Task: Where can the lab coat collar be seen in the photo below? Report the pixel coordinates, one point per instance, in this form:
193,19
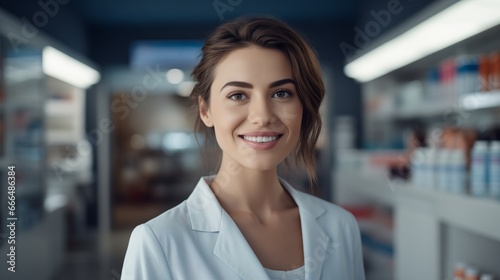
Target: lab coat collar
207,215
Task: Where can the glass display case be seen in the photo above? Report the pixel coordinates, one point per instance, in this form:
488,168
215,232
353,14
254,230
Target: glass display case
21,132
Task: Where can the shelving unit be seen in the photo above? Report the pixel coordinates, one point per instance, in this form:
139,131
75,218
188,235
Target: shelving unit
363,188
420,209
433,230
64,110
23,138
37,112
478,215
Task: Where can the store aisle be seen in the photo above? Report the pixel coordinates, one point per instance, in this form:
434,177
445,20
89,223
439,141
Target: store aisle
87,260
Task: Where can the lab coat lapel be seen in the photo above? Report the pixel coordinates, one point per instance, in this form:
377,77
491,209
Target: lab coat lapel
204,209
317,244
231,247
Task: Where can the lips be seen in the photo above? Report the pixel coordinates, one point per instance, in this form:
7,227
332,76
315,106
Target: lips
261,133
261,140
261,136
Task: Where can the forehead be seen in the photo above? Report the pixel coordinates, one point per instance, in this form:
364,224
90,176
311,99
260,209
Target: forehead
253,64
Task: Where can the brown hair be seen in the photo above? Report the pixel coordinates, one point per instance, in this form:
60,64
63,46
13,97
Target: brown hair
266,33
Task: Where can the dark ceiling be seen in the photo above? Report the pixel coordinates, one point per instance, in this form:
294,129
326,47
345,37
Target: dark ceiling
118,12
103,30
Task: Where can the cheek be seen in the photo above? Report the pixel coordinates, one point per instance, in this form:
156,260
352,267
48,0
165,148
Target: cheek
291,115
226,119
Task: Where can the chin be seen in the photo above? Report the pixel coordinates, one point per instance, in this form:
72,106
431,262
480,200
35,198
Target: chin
261,163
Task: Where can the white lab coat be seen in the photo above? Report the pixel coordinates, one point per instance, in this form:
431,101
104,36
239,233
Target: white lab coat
198,240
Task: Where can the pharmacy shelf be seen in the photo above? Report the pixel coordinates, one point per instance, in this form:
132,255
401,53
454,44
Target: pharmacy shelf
481,100
476,215
58,108
62,137
372,187
471,102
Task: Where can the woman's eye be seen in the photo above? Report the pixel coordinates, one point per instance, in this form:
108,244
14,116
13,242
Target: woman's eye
237,96
282,94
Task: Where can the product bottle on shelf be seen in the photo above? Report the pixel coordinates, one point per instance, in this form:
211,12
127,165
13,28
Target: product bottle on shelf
443,170
432,85
461,77
494,170
457,172
471,274
479,169
418,167
459,272
484,72
494,81
487,276
467,77
447,80
431,168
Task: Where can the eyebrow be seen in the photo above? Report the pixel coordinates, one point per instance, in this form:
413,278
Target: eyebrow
248,85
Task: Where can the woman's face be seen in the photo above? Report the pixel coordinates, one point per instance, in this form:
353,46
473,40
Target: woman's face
254,107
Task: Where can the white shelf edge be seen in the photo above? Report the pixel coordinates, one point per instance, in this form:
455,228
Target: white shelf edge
473,101
59,108
476,215
370,186
61,137
481,100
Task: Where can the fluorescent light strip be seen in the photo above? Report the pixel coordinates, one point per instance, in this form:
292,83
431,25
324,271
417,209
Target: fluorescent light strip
65,68
454,24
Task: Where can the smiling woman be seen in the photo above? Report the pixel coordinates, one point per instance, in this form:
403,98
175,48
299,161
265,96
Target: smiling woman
257,95
255,100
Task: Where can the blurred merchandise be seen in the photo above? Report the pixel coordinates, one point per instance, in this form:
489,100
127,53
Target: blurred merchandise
2,82
484,72
468,75
459,272
376,225
443,167
411,94
458,163
419,168
479,169
465,271
432,85
494,169
27,133
494,81
458,172
471,273
447,79
2,133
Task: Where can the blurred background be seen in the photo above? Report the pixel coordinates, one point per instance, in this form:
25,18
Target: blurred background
94,116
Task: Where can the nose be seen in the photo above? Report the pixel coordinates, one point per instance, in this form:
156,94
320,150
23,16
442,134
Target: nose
261,112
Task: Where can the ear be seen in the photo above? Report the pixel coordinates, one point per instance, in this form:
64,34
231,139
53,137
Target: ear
204,112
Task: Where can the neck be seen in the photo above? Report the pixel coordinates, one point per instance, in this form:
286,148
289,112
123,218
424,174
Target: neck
248,191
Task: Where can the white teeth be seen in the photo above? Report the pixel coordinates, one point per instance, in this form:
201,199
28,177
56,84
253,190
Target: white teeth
260,139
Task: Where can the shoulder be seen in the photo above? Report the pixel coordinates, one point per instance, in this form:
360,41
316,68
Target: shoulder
329,213
173,222
324,211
